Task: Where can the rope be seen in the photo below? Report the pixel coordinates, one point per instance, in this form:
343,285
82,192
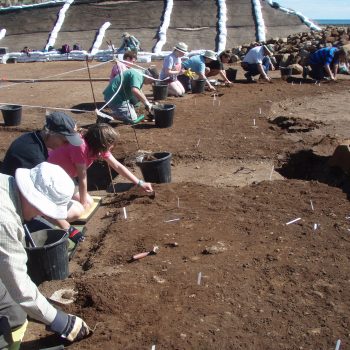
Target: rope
46,107
59,74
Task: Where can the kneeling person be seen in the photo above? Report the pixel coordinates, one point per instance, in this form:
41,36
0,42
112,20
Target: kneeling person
257,61
43,190
128,86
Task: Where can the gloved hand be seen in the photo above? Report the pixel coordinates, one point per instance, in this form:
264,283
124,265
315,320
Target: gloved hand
189,73
149,107
76,329
71,327
75,235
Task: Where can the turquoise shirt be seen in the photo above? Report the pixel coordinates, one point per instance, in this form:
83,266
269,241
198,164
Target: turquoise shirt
196,63
130,78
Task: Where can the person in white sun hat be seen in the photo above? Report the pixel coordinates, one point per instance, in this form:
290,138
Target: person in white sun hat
197,64
43,190
258,62
172,68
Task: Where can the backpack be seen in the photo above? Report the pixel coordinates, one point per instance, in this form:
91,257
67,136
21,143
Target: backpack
77,47
65,48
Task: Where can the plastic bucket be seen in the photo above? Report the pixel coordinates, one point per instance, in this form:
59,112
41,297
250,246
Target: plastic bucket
231,74
157,170
198,86
160,91
12,114
164,115
49,259
285,72
185,82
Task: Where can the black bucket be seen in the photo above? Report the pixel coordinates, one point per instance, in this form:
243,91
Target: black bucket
231,74
49,259
198,86
185,82
157,170
286,72
160,91
164,115
12,114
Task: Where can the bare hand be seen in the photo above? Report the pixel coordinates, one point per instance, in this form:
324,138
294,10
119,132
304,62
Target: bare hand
147,187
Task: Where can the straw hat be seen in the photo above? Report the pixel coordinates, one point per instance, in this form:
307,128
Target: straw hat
269,49
182,47
125,35
47,187
210,54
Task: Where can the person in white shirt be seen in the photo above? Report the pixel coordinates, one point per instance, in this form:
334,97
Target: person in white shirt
257,61
43,190
172,68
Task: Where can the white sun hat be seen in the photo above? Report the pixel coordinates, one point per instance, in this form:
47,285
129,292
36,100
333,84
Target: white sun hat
182,47
210,54
47,187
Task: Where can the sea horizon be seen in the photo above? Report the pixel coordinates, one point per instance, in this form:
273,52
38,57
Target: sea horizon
330,21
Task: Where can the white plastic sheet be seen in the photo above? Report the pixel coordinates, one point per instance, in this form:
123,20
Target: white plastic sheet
58,25
304,19
260,23
99,38
2,33
164,26
23,6
222,25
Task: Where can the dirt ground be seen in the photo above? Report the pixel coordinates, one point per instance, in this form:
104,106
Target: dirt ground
244,164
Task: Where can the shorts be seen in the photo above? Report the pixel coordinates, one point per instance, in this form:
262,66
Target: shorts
215,65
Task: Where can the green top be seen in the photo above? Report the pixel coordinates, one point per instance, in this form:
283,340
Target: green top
130,78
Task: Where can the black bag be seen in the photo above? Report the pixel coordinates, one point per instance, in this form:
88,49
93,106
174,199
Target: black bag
77,47
65,48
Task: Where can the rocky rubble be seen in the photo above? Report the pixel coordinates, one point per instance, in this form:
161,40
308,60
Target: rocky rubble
294,49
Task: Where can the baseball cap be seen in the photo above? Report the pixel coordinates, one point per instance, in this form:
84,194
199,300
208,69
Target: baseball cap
47,187
63,124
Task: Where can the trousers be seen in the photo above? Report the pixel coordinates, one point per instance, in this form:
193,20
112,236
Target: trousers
12,317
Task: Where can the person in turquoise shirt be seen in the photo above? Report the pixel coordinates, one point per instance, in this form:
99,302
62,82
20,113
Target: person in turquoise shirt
128,86
197,65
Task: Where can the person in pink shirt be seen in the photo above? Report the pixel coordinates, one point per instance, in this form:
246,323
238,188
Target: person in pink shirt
120,67
98,141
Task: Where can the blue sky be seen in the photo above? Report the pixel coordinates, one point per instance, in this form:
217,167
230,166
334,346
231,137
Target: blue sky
319,9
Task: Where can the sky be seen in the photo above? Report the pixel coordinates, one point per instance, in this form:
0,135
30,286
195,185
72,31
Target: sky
320,9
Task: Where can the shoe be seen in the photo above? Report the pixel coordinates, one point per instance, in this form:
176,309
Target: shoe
249,78
138,120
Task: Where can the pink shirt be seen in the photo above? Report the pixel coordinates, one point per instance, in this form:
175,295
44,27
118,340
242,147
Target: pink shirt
118,68
68,156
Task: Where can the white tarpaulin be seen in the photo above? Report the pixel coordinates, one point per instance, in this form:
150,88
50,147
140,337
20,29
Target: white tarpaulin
164,26
58,25
222,25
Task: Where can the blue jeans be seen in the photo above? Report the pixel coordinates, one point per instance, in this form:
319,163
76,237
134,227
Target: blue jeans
252,68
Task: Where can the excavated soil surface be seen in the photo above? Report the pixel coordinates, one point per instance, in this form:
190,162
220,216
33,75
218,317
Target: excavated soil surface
244,165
